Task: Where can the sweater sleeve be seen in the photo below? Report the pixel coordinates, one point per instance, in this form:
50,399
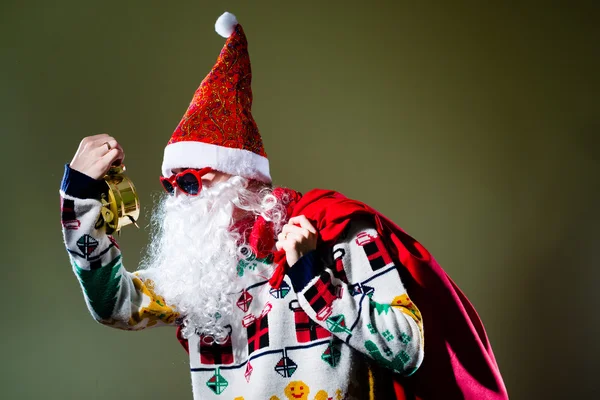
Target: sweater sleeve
114,296
359,297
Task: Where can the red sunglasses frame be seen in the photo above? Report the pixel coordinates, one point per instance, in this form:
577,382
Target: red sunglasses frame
172,180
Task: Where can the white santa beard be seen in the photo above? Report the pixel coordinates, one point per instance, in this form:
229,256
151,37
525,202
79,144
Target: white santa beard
193,256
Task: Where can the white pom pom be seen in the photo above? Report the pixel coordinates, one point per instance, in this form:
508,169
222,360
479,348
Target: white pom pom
226,24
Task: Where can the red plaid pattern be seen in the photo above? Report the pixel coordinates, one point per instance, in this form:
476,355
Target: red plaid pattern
374,249
322,293
258,333
307,330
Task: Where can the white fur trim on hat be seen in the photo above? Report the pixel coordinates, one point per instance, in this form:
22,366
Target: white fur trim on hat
226,24
231,161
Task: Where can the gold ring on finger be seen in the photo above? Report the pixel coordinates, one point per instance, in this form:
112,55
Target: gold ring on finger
108,145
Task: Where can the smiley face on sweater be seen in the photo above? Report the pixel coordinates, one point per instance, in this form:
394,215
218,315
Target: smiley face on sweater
297,390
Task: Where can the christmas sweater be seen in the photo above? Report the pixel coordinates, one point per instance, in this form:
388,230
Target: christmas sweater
339,324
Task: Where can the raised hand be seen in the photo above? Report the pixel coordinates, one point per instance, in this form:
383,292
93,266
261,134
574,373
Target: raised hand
96,154
297,238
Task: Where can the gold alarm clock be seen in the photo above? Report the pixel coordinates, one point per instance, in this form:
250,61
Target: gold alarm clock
121,206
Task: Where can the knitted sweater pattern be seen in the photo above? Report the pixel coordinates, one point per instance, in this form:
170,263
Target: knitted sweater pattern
340,321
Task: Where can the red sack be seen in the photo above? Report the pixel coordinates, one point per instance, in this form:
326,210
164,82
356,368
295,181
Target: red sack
459,362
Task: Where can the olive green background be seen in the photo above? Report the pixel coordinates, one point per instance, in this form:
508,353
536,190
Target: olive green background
474,126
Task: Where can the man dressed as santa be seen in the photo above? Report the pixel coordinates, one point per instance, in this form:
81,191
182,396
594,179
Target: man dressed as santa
274,294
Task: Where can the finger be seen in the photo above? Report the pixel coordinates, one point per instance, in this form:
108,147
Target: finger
297,230
96,142
289,247
116,145
102,147
122,158
303,222
284,237
91,142
101,137
112,143
95,138
100,140
109,159
294,238
286,245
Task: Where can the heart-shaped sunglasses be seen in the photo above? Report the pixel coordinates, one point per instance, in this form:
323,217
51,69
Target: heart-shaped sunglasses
188,181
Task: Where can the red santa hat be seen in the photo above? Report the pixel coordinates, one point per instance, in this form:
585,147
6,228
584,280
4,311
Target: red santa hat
218,130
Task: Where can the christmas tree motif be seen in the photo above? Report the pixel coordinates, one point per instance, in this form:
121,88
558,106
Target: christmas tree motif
379,307
337,324
397,363
332,355
217,383
244,301
101,286
281,292
248,373
87,245
286,367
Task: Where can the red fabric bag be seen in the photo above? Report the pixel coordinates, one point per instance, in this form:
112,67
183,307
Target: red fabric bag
459,362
